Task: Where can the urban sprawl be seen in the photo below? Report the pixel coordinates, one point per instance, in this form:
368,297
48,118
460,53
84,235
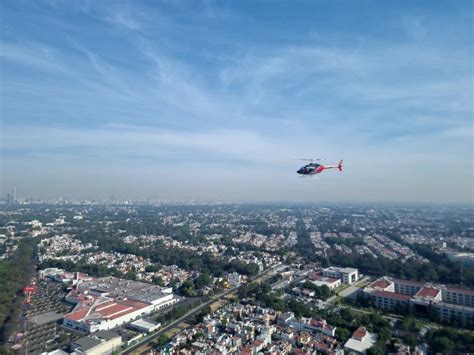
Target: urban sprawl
136,278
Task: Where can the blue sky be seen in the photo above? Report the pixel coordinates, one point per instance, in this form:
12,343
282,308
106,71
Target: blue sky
217,99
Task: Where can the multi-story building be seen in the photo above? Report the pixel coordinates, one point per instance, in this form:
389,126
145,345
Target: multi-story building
448,303
407,287
448,312
467,259
382,293
319,280
346,274
458,296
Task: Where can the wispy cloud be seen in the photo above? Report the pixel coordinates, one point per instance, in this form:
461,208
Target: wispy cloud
33,55
136,81
122,18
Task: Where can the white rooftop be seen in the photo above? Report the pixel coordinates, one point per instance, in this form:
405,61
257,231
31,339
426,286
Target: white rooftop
145,324
361,346
340,269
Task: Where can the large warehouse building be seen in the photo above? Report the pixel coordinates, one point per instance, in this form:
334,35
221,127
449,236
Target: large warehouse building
107,302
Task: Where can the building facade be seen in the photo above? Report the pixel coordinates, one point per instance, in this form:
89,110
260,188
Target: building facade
448,304
346,274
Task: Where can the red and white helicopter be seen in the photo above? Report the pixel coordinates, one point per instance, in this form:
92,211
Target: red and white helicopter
314,168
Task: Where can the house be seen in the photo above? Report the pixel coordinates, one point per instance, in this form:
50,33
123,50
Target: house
360,342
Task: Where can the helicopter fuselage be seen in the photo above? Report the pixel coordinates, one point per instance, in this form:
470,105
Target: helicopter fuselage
314,168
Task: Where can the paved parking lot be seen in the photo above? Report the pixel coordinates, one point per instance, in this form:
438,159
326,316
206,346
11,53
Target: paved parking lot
42,328
47,298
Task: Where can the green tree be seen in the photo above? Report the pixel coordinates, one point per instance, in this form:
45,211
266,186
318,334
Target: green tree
411,340
377,349
342,334
443,345
158,280
162,340
203,280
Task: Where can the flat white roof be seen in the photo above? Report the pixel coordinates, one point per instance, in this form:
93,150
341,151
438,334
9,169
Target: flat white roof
141,323
361,346
340,269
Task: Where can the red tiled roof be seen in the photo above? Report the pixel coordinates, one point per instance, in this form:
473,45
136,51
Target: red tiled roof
428,292
114,310
320,346
359,333
381,283
104,305
319,277
319,323
78,315
391,295
134,303
107,310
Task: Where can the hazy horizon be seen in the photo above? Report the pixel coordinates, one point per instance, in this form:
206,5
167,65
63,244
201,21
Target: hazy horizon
218,100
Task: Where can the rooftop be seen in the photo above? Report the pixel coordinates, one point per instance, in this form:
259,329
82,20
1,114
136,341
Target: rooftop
106,334
86,343
429,292
340,269
381,283
359,333
318,277
361,345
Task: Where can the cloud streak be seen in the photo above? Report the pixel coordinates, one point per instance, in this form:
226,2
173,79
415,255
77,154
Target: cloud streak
140,83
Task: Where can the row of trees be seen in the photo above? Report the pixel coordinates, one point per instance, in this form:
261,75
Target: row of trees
448,340
15,274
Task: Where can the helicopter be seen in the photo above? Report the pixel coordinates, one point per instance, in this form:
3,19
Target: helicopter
314,168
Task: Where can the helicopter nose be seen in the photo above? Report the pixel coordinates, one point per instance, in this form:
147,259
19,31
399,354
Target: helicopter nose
299,171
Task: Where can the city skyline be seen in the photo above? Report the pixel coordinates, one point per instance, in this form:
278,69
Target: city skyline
218,101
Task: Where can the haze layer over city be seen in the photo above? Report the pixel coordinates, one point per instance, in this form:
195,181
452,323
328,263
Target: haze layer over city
217,100
236,177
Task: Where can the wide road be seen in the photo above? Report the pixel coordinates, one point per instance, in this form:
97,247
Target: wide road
192,312
283,283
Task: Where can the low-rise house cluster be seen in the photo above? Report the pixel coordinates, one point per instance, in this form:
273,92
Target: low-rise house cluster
246,329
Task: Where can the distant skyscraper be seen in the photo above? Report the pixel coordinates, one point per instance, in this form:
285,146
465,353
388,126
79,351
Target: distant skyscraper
11,197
